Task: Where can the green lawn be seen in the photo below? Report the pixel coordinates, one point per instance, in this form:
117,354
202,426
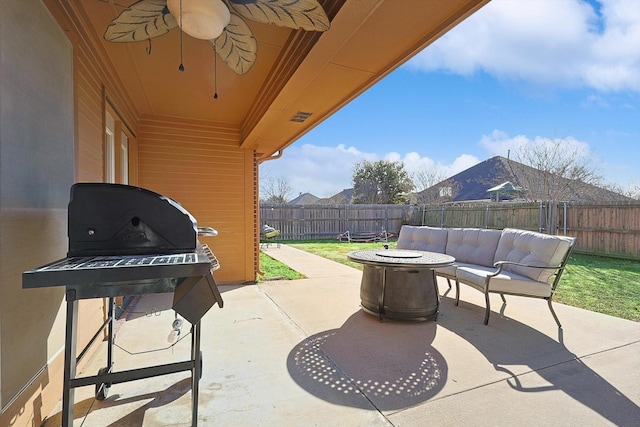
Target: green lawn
606,285
275,270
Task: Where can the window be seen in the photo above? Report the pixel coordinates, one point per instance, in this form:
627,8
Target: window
120,149
110,150
445,191
124,158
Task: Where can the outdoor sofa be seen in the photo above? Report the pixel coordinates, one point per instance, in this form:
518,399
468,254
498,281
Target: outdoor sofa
506,262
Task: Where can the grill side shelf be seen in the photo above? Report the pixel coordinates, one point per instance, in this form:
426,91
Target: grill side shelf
77,271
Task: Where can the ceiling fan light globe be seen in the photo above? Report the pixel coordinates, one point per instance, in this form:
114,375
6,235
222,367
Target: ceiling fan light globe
201,19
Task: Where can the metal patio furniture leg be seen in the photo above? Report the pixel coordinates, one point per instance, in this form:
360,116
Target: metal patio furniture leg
553,313
487,310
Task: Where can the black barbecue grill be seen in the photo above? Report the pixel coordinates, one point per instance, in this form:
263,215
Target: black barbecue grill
126,240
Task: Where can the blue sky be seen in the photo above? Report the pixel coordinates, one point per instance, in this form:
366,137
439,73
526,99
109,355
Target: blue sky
517,71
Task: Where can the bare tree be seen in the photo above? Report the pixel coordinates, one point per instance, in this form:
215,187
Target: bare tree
275,189
554,170
633,191
433,187
426,178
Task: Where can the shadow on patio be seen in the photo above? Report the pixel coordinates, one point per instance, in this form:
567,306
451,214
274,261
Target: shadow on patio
394,364
303,353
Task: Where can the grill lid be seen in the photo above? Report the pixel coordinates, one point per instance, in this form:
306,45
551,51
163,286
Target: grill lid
116,219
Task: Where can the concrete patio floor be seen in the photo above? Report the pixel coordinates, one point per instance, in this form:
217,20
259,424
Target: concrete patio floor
302,353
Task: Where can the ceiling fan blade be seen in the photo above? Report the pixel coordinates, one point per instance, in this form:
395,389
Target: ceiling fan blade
306,14
142,20
236,45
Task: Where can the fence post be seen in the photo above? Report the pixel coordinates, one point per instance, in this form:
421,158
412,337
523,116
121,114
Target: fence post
564,219
346,219
386,219
540,217
486,217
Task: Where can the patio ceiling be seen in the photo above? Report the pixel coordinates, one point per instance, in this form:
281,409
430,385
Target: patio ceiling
295,71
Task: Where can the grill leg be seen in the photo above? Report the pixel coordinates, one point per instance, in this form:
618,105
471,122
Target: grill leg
110,314
102,390
68,393
196,372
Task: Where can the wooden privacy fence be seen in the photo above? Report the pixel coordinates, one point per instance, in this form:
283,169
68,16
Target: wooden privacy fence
604,229
542,217
297,222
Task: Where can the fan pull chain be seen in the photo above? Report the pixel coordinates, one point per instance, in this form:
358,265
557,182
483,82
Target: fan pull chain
215,72
148,49
181,67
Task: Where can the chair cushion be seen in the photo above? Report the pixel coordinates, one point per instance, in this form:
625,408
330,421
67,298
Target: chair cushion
506,282
473,245
531,248
423,238
450,270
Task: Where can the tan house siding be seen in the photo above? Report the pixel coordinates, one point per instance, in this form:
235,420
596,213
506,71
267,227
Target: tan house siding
200,165
36,147
91,85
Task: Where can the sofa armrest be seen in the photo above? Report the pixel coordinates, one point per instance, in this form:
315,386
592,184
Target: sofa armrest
500,265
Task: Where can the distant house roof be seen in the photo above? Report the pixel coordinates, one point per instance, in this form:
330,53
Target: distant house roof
342,198
480,181
304,199
472,183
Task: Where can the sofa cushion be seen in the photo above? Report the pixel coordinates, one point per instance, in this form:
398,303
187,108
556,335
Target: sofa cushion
505,282
531,248
423,238
473,245
450,270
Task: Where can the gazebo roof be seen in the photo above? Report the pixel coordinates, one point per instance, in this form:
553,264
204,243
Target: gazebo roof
506,187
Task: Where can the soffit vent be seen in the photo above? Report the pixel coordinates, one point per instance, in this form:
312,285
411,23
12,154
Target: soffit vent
300,116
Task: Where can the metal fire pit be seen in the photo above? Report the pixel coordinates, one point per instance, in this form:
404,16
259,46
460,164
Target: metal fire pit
400,284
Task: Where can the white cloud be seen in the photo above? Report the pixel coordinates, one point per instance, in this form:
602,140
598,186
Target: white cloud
499,143
463,162
552,42
325,171
322,171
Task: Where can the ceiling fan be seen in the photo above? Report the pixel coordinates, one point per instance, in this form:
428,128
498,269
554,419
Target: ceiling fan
220,22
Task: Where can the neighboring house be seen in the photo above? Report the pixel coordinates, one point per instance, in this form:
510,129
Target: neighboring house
475,183
304,199
342,198
78,108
